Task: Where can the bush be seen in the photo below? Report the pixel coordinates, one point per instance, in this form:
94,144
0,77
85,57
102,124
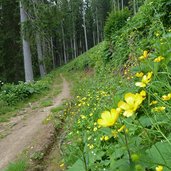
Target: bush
11,94
139,33
115,21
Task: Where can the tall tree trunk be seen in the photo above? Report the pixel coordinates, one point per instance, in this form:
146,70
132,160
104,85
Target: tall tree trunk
40,56
134,6
42,67
97,25
118,5
101,30
114,5
85,31
94,38
52,52
122,4
26,48
72,48
75,48
63,41
80,47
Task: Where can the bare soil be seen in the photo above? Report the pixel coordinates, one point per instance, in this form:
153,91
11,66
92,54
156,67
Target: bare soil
25,130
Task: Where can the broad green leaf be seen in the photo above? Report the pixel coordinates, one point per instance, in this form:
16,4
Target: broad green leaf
77,166
160,153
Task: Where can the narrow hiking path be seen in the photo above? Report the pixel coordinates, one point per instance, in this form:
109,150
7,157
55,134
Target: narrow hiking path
23,133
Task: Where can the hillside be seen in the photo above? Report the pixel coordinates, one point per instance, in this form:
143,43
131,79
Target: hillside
119,116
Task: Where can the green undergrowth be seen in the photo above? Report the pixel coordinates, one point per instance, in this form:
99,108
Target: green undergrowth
140,138
119,117
140,32
19,165
90,59
15,97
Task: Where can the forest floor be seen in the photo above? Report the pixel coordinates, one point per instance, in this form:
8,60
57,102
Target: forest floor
27,129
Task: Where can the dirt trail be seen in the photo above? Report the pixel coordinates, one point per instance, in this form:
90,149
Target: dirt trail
27,130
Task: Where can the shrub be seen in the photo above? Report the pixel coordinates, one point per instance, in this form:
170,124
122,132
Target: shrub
115,21
140,32
12,94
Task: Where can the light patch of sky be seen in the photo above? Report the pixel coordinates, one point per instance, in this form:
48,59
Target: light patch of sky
52,2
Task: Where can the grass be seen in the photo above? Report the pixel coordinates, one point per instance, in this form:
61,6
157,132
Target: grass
57,109
8,111
46,103
20,165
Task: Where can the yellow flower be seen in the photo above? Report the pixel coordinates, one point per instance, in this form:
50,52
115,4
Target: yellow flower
145,80
159,109
91,114
83,116
144,56
89,138
61,165
166,97
109,118
139,74
91,146
121,128
115,133
95,129
157,34
159,168
153,102
158,59
104,138
143,94
132,103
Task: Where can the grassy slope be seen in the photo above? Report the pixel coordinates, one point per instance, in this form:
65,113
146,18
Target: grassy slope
144,142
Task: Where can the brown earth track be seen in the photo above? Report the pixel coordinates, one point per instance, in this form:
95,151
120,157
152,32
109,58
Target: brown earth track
24,132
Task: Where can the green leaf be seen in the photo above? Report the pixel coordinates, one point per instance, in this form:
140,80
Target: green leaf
161,153
77,166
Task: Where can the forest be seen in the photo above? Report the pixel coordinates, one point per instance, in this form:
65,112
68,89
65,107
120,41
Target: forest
93,76
56,32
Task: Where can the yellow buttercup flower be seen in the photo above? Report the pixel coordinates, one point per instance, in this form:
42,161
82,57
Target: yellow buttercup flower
158,59
91,146
145,80
83,117
115,133
166,97
121,128
159,109
157,34
132,103
144,56
153,102
91,114
95,129
159,168
62,165
109,118
104,138
143,94
139,74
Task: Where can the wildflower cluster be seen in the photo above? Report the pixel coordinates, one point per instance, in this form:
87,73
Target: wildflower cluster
123,125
